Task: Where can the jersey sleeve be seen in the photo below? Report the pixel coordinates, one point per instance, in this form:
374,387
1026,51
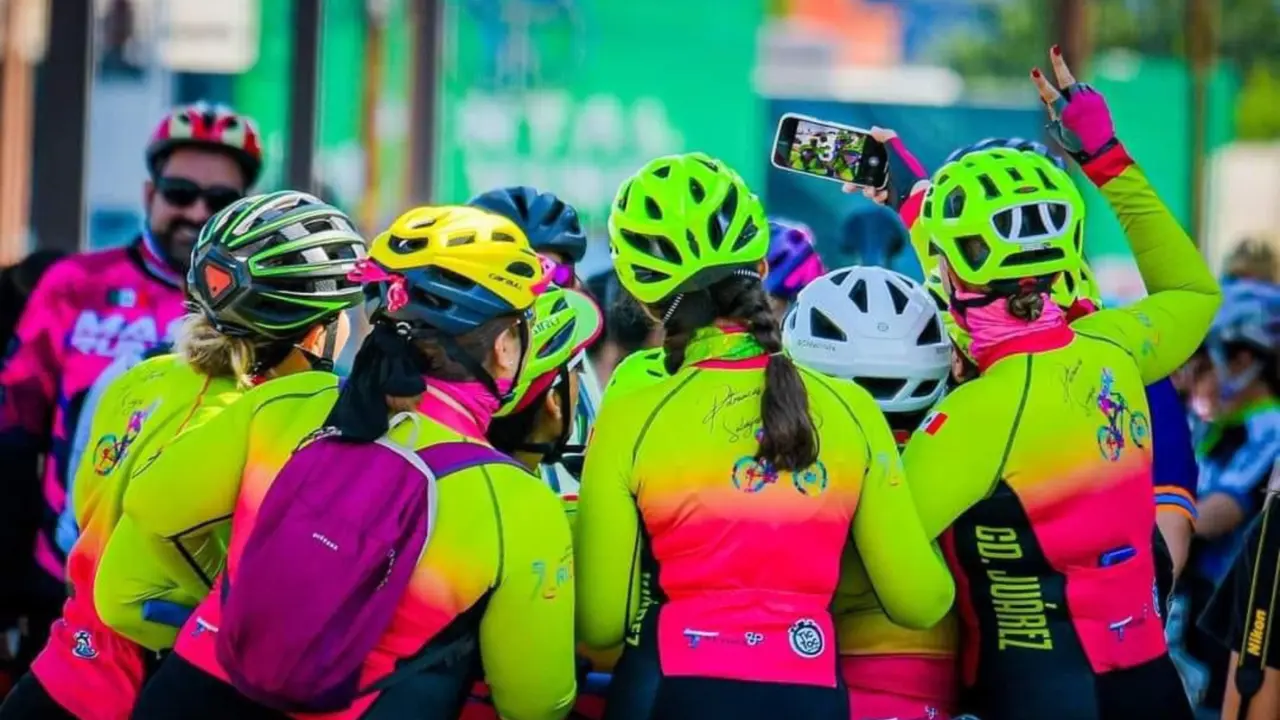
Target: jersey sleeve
1174,471
1163,329
953,458
526,636
608,529
31,368
906,569
202,465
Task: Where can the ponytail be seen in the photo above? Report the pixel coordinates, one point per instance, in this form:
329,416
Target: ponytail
789,439
212,353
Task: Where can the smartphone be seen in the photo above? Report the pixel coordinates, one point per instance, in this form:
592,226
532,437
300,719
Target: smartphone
830,151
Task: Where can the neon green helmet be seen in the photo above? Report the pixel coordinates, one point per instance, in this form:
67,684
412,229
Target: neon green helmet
681,223
1002,214
638,370
1075,284
564,323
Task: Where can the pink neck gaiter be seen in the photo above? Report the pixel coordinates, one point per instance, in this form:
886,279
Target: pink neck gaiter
473,397
991,325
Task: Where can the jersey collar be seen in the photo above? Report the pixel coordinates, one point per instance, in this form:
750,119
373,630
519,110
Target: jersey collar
1050,338
152,261
721,344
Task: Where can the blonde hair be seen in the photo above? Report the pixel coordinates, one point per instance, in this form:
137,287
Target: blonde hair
213,353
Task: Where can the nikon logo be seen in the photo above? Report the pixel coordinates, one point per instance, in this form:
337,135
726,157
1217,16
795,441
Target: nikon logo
1256,632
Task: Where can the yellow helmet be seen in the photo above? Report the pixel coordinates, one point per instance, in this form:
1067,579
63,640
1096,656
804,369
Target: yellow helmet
461,267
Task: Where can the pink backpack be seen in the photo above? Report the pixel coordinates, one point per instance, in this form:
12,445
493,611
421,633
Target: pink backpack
336,541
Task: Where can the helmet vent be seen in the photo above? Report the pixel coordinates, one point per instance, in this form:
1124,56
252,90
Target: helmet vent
421,223
899,298
663,172
652,245
989,186
932,332
881,388
723,217
521,269
521,203
953,205
823,328
858,295
406,246
652,208
1015,175
749,232
711,165
623,194
974,249
696,190
1044,179
553,212
925,388
1079,240
466,239
558,340
497,237
1031,257
693,243
839,277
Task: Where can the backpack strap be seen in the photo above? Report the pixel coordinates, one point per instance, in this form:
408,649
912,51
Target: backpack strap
448,458
1263,597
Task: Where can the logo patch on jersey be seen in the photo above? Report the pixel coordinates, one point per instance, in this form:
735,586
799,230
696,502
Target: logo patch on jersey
1123,423
811,481
122,297
111,449
933,422
751,475
806,638
83,647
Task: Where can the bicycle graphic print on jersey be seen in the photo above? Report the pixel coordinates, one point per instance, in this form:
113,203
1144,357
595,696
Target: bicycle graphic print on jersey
1119,419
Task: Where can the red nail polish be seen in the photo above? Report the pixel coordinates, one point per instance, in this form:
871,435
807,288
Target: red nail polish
1035,72
1056,50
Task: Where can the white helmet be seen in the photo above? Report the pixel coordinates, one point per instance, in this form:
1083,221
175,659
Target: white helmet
876,327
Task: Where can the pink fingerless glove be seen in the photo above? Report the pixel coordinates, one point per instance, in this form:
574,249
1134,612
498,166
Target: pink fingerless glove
1084,127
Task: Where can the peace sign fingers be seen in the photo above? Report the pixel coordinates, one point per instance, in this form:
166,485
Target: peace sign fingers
1049,95
1060,69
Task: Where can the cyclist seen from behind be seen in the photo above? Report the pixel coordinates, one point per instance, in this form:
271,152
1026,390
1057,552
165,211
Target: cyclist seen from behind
246,332
92,308
1054,556
716,505
881,330
492,587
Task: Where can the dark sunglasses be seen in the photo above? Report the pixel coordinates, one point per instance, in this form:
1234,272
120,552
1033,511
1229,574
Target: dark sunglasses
183,193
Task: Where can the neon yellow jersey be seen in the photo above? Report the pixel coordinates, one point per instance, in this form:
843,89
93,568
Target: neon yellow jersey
676,511
139,413
500,554
1041,471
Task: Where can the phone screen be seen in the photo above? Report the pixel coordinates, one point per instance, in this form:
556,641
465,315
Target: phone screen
830,151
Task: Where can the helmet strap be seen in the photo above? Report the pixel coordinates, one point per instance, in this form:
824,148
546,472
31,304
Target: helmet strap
325,360
552,452
476,369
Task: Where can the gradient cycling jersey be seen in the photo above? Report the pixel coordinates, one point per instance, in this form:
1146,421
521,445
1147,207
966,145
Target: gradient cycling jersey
1049,512
498,568
1236,453
728,568
85,667
68,529
85,312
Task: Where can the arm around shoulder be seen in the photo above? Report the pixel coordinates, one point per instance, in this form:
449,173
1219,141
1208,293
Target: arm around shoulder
906,569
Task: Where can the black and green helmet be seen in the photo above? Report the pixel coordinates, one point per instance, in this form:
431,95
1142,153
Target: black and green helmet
275,265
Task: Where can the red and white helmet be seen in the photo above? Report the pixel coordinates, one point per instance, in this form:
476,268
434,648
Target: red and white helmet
210,126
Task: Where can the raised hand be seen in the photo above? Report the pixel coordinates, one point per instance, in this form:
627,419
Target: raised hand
1079,118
